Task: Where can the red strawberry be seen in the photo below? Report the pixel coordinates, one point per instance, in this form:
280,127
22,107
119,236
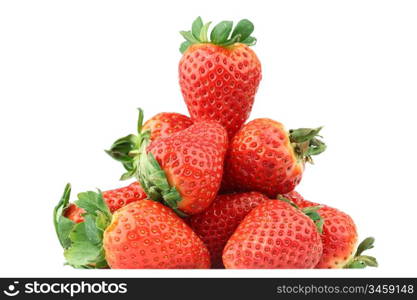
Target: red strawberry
264,157
217,223
165,124
114,199
339,237
274,235
147,234
219,77
142,234
183,170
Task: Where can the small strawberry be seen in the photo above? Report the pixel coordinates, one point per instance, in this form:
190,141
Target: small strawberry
219,76
114,199
274,235
165,124
142,234
264,157
183,170
217,223
339,237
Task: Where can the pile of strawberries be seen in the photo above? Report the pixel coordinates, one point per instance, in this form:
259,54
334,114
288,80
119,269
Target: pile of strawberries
211,191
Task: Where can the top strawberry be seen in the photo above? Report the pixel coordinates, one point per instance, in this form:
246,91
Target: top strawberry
219,76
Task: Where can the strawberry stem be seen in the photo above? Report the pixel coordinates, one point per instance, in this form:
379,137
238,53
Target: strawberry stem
306,143
222,34
359,261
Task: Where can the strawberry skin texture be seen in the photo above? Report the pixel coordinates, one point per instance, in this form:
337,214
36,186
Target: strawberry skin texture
165,124
274,235
115,199
220,83
218,222
262,159
339,236
193,163
147,234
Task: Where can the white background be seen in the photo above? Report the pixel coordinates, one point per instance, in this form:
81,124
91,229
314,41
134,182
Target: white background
73,72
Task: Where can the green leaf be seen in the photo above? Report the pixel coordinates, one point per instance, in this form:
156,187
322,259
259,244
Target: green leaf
93,203
93,233
204,33
82,251
313,214
250,41
188,36
63,225
196,27
244,28
221,32
184,46
361,261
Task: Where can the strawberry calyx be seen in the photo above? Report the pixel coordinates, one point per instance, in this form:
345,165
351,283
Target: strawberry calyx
83,242
223,34
126,149
307,142
131,151
359,261
311,212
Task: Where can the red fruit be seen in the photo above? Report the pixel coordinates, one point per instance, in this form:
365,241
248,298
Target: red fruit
182,170
339,237
192,164
274,235
217,223
219,78
165,124
114,199
264,157
298,200
147,234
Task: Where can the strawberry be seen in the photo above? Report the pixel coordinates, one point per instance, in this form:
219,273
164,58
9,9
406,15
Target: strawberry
142,234
114,199
217,223
182,170
264,157
339,237
274,235
219,76
165,124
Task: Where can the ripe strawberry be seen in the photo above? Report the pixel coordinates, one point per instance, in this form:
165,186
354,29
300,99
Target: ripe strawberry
274,235
183,170
114,199
142,234
339,237
165,124
148,234
219,77
264,157
217,223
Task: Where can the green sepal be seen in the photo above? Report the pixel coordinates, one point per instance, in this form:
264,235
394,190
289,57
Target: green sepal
307,142
311,212
63,225
155,183
359,261
85,249
222,34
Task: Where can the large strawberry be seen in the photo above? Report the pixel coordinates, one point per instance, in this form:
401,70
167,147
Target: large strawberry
264,157
165,124
339,237
219,76
183,170
142,234
274,235
218,222
114,199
